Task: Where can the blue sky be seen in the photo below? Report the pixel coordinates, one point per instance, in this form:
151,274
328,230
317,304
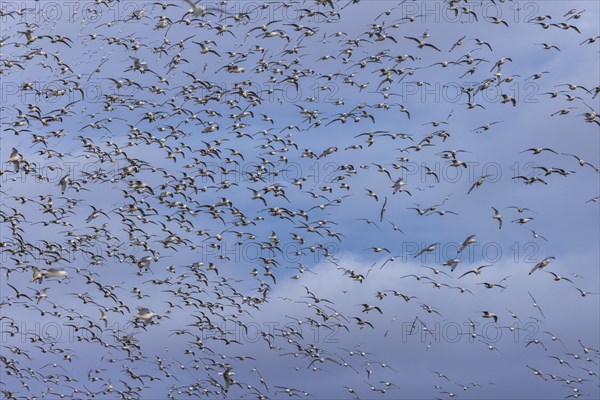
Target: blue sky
561,210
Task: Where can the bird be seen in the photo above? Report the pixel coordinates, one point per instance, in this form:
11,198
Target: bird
18,293
539,150
452,263
200,10
383,209
489,285
581,162
548,46
64,182
561,361
145,315
485,127
522,221
583,293
537,372
15,159
421,44
535,305
540,265
367,308
468,241
478,183
475,271
487,314
558,277
537,236
427,249
498,217
328,151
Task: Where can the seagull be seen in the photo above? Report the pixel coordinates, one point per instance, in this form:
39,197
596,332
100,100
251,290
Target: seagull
367,308
145,315
227,374
582,162
536,341
478,183
489,285
421,43
476,271
581,292
468,241
487,314
537,236
15,159
19,294
561,361
537,372
485,127
398,187
564,111
427,249
558,277
541,264
520,209
586,349
548,46
328,151
452,263
538,150
440,375
554,338
63,183
497,216
522,221
200,10
383,209
459,42
436,271
379,249
535,305
54,273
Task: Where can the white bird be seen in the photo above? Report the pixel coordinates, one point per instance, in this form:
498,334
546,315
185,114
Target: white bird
15,159
63,183
427,249
145,315
541,264
497,216
452,263
468,241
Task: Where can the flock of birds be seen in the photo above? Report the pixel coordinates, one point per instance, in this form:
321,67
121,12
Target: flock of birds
218,200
